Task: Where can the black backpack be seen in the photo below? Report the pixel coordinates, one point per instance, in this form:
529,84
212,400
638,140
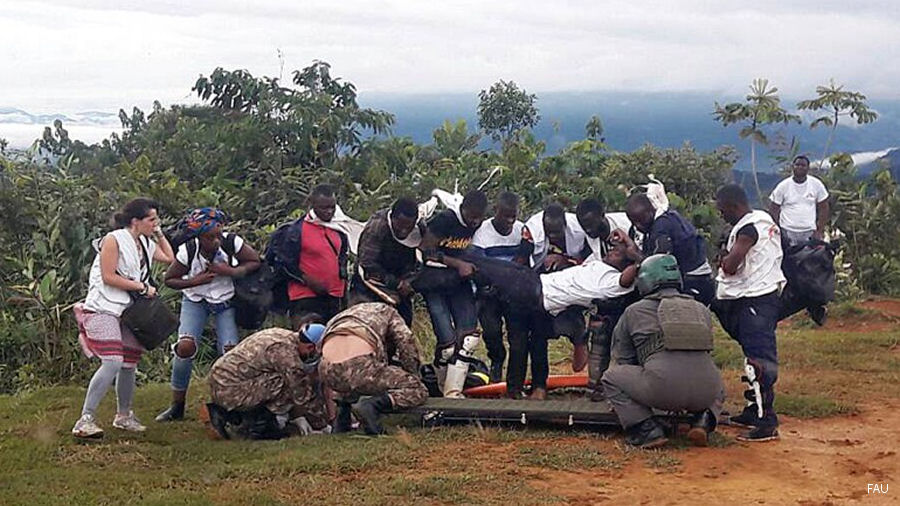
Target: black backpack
252,293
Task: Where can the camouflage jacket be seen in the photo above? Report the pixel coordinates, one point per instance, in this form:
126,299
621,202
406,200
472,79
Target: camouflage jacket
270,355
381,326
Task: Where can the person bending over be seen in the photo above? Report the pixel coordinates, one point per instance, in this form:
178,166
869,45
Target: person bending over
267,383
357,349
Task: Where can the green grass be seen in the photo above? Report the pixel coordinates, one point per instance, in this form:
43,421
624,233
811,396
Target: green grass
822,374
568,458
810,406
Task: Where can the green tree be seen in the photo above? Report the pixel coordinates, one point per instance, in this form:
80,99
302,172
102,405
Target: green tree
761,107
505,109
594,129
837,103
452,140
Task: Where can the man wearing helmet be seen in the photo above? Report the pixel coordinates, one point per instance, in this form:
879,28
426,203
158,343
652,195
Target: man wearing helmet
661,359
268,382
357,351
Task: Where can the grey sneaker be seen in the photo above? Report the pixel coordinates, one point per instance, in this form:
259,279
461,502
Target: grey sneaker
128,422
87,428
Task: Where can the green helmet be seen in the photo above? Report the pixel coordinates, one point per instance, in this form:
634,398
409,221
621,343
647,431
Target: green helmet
658,271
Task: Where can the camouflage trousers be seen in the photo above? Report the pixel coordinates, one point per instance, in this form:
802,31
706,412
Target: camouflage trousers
364,375
280,395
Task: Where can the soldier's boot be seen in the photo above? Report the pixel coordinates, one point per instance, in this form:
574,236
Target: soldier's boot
262,424
702,425
343,423
218,420
647,434
368,411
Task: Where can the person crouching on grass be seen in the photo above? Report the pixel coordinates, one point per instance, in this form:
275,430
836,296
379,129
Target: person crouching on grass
266,386
203,270
121,268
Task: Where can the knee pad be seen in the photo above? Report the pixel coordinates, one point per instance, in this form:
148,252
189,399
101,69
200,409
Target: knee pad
185,348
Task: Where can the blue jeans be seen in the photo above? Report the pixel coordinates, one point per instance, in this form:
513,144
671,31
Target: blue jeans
453,314
751,322
192,322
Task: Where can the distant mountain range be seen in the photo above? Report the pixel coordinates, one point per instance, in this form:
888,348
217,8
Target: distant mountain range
629,120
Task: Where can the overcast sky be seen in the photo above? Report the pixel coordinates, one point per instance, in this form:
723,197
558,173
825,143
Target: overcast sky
60,56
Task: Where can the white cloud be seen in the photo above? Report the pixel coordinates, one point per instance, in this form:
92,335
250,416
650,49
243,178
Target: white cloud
105,54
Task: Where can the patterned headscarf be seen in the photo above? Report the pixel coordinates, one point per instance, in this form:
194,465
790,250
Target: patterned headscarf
203,220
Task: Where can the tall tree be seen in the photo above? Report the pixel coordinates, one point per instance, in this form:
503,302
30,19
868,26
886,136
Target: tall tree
760,108
505,109
838,103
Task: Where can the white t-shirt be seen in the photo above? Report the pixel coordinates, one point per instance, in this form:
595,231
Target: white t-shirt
798,203
495,245
579,285
221,288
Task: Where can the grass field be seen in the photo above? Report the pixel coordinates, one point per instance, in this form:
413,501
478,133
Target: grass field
824,373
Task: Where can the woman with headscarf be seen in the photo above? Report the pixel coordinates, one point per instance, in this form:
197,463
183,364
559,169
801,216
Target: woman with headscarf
204,268
121,268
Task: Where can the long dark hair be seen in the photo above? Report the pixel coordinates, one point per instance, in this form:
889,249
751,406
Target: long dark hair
136,208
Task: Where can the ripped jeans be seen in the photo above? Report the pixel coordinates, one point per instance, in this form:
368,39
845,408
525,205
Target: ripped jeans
192,322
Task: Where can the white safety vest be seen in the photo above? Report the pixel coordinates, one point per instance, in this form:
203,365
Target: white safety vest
760,273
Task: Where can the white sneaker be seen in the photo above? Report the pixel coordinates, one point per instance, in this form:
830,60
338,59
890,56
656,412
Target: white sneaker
86,427
128,422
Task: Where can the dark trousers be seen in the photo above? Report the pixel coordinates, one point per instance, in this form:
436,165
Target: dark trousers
702,288
491,314
527,333
325,306
751,322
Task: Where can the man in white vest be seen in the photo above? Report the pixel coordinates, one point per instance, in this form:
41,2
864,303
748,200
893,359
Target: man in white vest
747,288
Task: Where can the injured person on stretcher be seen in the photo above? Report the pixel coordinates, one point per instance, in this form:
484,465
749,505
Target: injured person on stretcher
552,303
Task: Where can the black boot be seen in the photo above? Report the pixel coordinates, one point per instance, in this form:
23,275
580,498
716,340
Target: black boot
368,411
343,423
261,423
647,434
218,420
172,413
749,417
702,425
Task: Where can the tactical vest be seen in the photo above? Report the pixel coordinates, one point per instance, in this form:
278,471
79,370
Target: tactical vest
684,326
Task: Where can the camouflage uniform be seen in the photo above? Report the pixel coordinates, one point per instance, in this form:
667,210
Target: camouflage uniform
265,369
646,374
383,328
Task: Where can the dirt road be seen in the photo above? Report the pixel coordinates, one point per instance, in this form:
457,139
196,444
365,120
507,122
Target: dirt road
817,462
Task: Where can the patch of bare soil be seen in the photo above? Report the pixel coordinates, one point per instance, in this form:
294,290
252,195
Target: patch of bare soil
826,461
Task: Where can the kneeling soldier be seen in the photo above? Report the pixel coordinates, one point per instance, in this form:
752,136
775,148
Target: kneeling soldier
357,348
661,359
266,380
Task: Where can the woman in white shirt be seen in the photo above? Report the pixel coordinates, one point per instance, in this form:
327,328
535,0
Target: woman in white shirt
122,267
204,269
